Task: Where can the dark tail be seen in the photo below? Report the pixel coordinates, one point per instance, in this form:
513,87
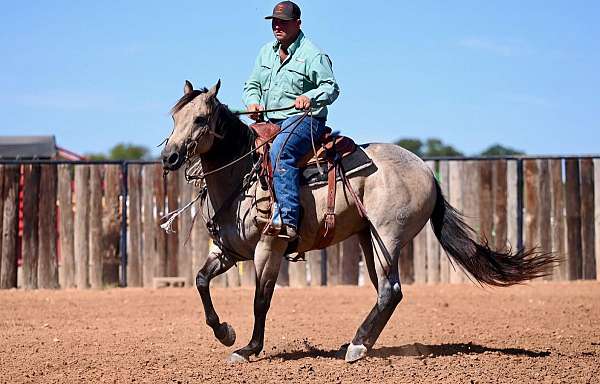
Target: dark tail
499,268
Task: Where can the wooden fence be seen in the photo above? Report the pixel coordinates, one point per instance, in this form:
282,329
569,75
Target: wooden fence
91,225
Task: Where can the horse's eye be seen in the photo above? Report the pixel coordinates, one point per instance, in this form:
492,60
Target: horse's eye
200,120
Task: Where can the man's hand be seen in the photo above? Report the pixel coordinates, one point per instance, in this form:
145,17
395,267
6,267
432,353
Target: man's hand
302,103
257,109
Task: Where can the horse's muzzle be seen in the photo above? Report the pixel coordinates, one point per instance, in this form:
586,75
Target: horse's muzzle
172,159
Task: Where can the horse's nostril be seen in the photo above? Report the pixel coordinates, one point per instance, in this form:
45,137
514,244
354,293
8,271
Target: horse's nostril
172,160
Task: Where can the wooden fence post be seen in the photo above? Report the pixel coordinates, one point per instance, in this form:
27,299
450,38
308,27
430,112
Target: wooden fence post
1,209
297,272
486,199
233,276
573,206
95,223
30,239
512,193
333,264
10,224
173,238
586,171
184,261
545,208
161,235
284,274
558,218
149,227
420,256
247,275
532,211
406,264
81,230
134,214
471,182
456,200
48,258
597,215
350,259
111,226
499,185
66,271
314,259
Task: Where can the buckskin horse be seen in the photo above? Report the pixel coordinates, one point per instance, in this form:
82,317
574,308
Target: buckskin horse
400,196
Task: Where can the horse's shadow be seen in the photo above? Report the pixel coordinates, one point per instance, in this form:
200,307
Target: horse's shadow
416,350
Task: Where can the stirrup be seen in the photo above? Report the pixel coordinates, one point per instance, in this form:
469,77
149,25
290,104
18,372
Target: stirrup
275,226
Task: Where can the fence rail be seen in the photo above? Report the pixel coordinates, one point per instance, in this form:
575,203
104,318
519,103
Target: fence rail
95,224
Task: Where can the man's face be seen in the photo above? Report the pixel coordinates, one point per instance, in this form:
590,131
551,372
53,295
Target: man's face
285,31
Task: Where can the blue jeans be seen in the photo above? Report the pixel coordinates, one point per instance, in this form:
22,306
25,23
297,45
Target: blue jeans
284,157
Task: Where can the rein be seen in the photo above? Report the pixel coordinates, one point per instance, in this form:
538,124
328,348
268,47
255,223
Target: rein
252,151
238,113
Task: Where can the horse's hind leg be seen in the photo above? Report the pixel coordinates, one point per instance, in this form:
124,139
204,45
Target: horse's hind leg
216,264
383,270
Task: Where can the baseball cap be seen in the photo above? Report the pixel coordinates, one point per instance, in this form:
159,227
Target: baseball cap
285,10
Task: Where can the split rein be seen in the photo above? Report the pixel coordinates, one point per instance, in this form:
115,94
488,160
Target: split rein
252,151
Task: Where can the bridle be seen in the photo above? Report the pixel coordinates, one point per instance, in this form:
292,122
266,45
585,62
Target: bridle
192,141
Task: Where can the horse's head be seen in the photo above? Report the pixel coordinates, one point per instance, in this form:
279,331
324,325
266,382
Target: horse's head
194,126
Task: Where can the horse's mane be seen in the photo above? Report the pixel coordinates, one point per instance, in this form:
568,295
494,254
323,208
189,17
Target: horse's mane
186,99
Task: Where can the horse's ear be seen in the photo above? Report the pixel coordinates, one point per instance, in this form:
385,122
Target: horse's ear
188,87
212,93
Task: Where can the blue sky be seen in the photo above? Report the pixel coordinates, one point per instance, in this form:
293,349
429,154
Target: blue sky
472,73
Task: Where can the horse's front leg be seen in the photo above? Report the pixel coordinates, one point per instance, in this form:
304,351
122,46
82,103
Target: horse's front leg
216,264
267,260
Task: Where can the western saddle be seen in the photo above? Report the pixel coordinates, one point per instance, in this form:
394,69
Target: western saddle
330,149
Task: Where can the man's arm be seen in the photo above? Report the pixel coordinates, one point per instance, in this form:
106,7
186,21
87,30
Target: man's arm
321,74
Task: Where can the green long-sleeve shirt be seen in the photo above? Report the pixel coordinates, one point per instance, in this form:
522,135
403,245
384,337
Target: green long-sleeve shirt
306,71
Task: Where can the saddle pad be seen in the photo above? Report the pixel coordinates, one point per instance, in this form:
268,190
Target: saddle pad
354,162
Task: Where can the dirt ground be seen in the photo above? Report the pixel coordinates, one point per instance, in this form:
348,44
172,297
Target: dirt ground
457,334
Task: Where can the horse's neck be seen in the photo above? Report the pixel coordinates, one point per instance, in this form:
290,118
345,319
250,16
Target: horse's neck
236,142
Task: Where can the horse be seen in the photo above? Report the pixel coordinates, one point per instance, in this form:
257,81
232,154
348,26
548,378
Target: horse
400,196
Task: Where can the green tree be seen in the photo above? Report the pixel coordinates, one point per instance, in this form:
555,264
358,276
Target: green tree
96,156
432,147
122,151
126,151
435,147
499,150
413,145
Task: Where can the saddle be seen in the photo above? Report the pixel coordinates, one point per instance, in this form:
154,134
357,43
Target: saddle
330,152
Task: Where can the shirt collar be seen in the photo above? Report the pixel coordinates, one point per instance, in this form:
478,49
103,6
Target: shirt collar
292,48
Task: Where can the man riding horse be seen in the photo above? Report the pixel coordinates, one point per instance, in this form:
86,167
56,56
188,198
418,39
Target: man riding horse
399,192
290,70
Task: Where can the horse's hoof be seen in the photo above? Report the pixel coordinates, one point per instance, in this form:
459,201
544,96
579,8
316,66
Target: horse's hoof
235,358
229,337
355,353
